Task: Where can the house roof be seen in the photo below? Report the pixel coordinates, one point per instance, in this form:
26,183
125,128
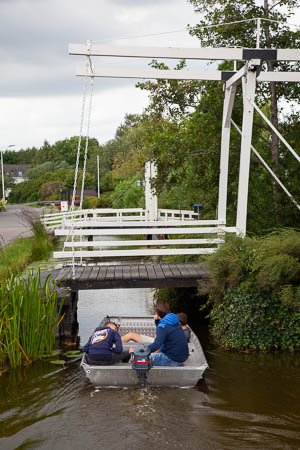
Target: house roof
15,169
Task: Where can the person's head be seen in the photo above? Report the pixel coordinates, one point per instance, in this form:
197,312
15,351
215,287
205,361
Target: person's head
183,318
111,325
161,310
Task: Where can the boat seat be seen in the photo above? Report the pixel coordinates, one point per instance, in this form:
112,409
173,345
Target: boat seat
148,331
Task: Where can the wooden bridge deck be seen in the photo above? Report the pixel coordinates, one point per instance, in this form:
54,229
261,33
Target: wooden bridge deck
130,276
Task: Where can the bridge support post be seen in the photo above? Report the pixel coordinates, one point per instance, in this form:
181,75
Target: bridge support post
224,158
150,196
248,97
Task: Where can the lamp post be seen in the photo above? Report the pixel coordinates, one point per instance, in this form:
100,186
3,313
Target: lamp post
2,172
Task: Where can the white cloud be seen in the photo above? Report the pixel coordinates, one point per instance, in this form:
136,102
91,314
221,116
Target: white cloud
41,97
27,121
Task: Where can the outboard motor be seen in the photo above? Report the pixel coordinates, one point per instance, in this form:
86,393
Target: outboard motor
142,362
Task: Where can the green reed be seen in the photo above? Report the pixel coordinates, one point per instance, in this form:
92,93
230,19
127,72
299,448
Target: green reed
29,317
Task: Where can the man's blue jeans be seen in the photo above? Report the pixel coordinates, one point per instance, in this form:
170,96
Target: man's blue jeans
160,359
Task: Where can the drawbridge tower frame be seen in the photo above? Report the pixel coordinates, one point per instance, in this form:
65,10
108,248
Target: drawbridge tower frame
248,76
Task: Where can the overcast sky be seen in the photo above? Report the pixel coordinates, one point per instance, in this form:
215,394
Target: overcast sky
41,97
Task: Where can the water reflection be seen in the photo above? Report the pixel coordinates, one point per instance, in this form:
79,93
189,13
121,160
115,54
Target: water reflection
247,401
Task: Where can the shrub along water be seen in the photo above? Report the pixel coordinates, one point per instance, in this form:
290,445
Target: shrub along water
29,317
255,293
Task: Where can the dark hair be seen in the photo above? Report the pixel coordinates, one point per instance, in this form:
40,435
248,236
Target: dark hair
183,318
162,309
112,323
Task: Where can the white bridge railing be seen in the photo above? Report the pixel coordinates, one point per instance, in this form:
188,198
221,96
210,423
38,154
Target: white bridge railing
102,233
98,216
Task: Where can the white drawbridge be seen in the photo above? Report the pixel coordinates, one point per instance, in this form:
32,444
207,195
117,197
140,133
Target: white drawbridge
186,234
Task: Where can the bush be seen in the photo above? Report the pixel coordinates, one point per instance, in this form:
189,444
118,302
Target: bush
94,202
272,262
86,203
252,319
254,291
2,204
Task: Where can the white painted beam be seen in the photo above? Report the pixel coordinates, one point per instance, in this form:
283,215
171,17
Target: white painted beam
236,78
142,252
207,53
143,231
224,157
155,74
291,77
81,223
142,242
248,111
288,54
197,75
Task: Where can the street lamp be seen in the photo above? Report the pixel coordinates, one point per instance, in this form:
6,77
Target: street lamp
2,172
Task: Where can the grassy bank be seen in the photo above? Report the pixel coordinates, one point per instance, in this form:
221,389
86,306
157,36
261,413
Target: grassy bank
29,316
19,254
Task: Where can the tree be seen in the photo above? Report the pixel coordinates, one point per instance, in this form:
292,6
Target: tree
274,35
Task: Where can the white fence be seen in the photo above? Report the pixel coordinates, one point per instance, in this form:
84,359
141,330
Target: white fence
102,233
99,216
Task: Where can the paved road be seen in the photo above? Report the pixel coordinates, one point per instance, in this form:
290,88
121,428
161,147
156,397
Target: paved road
12,225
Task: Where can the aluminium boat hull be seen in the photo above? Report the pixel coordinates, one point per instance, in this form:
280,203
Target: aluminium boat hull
121,374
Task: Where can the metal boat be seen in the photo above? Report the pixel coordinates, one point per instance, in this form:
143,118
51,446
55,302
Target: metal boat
122,374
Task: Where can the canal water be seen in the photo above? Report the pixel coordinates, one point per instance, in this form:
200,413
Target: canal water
246,401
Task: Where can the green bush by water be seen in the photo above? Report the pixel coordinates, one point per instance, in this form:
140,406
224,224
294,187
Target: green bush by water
29,317
255,320
254,292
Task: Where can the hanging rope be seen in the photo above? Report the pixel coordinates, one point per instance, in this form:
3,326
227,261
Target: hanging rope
79,141
88,66
87,140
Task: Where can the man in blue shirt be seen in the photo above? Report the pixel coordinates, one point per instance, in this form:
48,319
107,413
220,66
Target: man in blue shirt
105,347
170,339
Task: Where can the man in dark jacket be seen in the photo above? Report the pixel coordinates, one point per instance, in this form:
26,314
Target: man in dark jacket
105,347
170,339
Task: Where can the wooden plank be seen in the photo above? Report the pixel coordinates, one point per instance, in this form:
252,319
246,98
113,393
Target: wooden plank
166,270
86,273
151,271
191,270
78,272
143,272
126,272
194,269
110,274
159,272
175,271
94,272
134,272
102,273
183,270
61,275
119,272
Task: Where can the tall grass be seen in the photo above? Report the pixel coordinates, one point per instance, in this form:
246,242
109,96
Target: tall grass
29,317
15,257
